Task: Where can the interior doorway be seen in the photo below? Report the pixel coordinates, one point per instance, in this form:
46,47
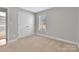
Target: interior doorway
3,32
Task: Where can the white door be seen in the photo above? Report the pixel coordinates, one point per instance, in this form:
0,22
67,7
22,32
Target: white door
25,24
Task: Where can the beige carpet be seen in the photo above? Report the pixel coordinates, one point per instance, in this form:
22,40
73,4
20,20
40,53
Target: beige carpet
38,44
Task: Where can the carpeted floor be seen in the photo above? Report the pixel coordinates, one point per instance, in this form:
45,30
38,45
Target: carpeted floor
38,44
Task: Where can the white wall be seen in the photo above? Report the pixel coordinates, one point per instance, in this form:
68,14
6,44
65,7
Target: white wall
78,26
61,23
12,23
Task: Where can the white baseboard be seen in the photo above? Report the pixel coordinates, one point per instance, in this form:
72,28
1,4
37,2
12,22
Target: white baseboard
26,36
67,41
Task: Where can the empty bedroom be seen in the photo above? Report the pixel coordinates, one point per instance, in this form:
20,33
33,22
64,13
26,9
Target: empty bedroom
39,29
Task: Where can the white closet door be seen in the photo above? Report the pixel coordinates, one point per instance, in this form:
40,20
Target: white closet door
25,24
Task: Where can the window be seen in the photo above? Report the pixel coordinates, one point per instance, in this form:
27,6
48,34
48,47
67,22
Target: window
43,23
